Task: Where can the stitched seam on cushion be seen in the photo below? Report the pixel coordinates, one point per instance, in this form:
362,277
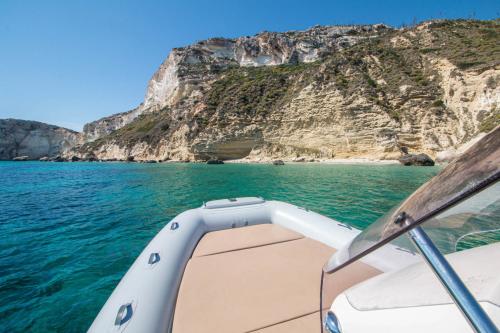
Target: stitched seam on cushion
248,247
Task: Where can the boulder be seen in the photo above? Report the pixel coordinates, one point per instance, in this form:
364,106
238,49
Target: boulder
278,162
90,158
75,159
44,159
299,159
150,161
403,149
214,161
21,158
58,158
416,159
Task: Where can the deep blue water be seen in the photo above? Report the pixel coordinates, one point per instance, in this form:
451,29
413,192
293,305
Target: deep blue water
69,231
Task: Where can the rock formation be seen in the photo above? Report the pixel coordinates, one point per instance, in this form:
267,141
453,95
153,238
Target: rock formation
349,91
334,91
106,125
420,160
32,140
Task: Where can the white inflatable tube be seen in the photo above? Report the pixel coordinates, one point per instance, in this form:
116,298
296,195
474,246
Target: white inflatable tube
145,298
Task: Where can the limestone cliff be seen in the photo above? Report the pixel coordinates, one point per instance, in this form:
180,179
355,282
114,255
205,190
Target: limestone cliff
189,71
349,91
104,126
34,139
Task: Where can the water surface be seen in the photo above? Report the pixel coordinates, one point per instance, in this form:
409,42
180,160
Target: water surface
69,231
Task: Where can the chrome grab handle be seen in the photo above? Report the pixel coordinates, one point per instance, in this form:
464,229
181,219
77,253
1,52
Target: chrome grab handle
174,226
154,258
124,314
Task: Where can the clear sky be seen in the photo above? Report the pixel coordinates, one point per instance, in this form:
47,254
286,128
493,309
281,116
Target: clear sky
69,62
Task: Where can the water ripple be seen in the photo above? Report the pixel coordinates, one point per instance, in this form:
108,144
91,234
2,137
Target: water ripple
69,231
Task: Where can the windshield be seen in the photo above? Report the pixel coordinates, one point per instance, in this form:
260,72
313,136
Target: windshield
475,170
471,223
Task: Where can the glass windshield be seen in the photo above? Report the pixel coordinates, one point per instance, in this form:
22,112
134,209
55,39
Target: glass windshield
471,223
473,171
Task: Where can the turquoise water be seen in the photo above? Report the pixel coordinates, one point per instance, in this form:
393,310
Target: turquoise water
69,231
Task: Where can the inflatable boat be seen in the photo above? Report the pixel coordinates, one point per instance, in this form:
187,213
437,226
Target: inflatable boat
252,265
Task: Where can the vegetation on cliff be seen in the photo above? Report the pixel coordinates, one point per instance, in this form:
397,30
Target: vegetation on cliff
393,71
249,92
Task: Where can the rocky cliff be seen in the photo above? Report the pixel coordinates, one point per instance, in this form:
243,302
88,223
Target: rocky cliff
34,139
340,91
106,125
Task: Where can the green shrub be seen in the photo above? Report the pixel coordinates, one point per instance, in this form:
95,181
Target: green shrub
438,103
490,122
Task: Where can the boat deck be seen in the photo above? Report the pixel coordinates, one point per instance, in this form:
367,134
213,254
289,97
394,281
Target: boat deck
261,278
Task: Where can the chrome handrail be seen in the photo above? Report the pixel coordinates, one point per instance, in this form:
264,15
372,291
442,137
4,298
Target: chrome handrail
470,308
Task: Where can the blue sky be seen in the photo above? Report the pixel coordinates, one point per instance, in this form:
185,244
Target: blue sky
69,62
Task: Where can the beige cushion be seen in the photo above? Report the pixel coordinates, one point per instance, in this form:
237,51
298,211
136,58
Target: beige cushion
243,238
260,278
307,323
340,281
245,290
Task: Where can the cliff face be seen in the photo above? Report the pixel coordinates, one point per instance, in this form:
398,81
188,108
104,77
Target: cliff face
34,139
362,91
106,125
189,71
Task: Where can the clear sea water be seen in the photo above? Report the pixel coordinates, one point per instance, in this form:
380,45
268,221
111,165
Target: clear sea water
69,231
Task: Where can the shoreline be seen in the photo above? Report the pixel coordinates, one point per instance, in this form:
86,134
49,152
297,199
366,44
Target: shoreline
323,161
340,161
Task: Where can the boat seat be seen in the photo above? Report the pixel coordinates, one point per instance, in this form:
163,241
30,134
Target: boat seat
261,278
236,239
307,323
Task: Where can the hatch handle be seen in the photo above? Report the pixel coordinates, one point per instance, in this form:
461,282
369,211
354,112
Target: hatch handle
124,314
154,258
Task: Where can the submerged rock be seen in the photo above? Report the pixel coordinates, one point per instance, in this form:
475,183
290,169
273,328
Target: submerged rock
278,162
21,158
214,161
414,159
